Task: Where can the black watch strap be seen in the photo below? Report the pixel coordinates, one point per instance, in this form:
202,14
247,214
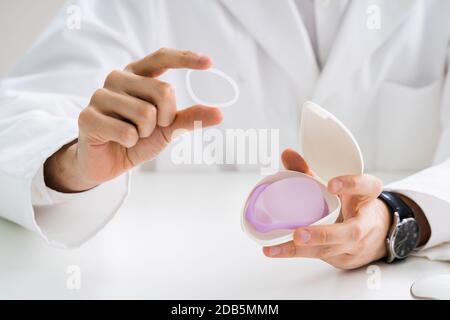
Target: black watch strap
395,204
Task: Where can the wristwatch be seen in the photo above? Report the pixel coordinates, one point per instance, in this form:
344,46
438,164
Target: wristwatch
404,234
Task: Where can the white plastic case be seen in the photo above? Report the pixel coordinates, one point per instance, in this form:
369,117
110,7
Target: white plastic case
330,151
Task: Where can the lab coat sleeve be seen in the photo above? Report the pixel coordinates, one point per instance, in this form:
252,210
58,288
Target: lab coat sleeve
67,220
430,188
39,105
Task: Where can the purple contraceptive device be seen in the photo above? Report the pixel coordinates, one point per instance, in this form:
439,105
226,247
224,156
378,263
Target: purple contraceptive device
286,204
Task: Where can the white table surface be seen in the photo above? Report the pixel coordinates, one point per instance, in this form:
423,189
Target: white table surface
179,237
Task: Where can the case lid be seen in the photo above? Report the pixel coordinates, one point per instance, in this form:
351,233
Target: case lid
327,145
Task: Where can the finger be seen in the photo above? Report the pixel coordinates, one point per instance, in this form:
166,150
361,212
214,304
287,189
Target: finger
158,93
190,118
358,185
295,162
99,129
139,112
285,250
290,250
158,62
347,232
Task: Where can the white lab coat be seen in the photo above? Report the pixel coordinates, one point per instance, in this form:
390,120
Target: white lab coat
388,85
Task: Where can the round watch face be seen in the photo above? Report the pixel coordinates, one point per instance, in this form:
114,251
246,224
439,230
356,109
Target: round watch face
406,238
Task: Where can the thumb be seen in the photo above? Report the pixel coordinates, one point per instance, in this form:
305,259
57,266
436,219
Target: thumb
295,162
185,120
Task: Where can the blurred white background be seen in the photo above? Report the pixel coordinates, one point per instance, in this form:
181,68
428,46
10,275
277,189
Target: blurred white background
21,21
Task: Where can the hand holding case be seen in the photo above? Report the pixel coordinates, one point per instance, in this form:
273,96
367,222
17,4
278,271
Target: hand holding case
330,150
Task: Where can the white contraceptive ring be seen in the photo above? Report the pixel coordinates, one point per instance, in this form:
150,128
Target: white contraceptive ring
220,74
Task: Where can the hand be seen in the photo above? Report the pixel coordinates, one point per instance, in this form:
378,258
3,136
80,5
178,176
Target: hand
128,121
358,236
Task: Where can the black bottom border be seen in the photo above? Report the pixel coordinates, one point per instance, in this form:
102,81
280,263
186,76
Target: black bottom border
226,309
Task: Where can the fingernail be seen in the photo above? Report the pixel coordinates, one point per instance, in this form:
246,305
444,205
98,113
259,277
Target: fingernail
336,185
304,236
203,58
274,251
